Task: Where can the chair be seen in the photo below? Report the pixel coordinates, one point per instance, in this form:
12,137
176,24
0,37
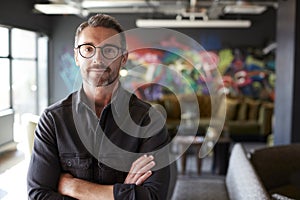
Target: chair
29,122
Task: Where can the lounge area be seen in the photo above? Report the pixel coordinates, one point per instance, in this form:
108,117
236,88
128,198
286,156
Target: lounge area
222,74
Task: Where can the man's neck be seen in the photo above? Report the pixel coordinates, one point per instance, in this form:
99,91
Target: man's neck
100,96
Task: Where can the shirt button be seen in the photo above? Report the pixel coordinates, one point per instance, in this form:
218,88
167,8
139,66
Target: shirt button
69,163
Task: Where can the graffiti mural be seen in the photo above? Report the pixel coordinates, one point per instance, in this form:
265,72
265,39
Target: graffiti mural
68,70
246,72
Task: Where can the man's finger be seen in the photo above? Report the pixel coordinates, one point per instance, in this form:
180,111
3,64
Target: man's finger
143,178
138,169
142,174
146,168
140,163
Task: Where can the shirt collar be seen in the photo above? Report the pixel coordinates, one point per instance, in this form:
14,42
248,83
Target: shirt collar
119,98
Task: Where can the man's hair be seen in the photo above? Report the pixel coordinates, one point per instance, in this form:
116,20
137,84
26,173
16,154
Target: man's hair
102,20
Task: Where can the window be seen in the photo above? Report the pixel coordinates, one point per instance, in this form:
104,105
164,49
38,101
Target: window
23,70
24,62
4,69
4,84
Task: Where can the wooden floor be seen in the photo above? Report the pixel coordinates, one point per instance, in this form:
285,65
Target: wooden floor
10,159
13,171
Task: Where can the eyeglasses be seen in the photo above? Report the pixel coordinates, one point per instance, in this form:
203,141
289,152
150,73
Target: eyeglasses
108,51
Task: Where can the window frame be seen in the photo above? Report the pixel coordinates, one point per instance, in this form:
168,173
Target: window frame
36,60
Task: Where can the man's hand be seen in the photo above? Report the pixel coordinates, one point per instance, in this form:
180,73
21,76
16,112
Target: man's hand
140,170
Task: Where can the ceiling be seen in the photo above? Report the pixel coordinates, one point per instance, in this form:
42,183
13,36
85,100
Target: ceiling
189,10
185,8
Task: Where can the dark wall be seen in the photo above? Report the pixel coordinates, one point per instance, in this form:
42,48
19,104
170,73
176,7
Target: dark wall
19,13
262,31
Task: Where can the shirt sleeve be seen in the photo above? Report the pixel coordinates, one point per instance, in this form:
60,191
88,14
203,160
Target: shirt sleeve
156,187
44,168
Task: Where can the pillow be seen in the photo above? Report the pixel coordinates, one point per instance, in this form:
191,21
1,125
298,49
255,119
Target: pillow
231,108
253,108
204,102
242,111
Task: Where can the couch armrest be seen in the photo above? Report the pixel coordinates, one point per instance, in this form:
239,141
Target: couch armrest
242,181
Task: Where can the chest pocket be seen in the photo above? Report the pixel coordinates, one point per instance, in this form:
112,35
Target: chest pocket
78,166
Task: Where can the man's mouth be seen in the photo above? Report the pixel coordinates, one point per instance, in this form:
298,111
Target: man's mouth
101,69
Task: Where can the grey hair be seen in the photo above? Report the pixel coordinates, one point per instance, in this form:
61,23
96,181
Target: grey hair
101,20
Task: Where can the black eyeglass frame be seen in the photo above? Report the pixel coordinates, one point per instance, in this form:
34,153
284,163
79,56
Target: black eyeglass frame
101,48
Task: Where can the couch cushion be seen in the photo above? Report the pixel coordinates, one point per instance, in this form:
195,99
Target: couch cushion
242,181
249,127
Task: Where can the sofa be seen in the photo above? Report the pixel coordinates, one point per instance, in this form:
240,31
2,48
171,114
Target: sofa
279,169
246,119
264,174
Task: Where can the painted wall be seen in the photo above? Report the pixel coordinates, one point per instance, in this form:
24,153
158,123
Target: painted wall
62,69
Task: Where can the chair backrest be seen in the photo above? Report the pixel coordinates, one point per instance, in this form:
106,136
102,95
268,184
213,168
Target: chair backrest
279,166
242,181
29,122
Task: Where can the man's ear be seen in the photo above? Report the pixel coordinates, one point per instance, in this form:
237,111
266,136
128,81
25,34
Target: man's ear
76,57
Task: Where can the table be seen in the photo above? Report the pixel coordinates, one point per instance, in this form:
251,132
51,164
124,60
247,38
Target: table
220,152
183,143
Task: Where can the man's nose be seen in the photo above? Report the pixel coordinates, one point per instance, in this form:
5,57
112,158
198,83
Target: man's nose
98,57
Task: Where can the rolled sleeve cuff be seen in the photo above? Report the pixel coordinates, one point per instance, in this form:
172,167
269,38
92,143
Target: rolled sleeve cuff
124,191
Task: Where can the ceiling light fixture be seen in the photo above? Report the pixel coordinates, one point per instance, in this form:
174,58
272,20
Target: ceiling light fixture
52,9
244,9
166,23
115,3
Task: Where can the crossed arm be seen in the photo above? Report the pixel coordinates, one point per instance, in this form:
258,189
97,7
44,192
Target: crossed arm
80,189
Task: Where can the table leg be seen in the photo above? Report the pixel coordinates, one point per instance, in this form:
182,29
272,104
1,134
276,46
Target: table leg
199,165
183,163
221,158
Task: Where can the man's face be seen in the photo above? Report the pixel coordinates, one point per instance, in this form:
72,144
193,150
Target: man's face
97,70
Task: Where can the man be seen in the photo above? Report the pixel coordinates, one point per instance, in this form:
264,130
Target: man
83,143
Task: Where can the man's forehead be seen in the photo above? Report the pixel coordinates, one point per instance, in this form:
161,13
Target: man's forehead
99,35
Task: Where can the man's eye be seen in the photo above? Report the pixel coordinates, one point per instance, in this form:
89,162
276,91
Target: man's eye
88,49
109,50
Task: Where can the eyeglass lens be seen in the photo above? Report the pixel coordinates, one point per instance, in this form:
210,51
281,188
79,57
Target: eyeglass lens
108,51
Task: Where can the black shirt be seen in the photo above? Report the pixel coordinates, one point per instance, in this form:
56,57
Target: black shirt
71,138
